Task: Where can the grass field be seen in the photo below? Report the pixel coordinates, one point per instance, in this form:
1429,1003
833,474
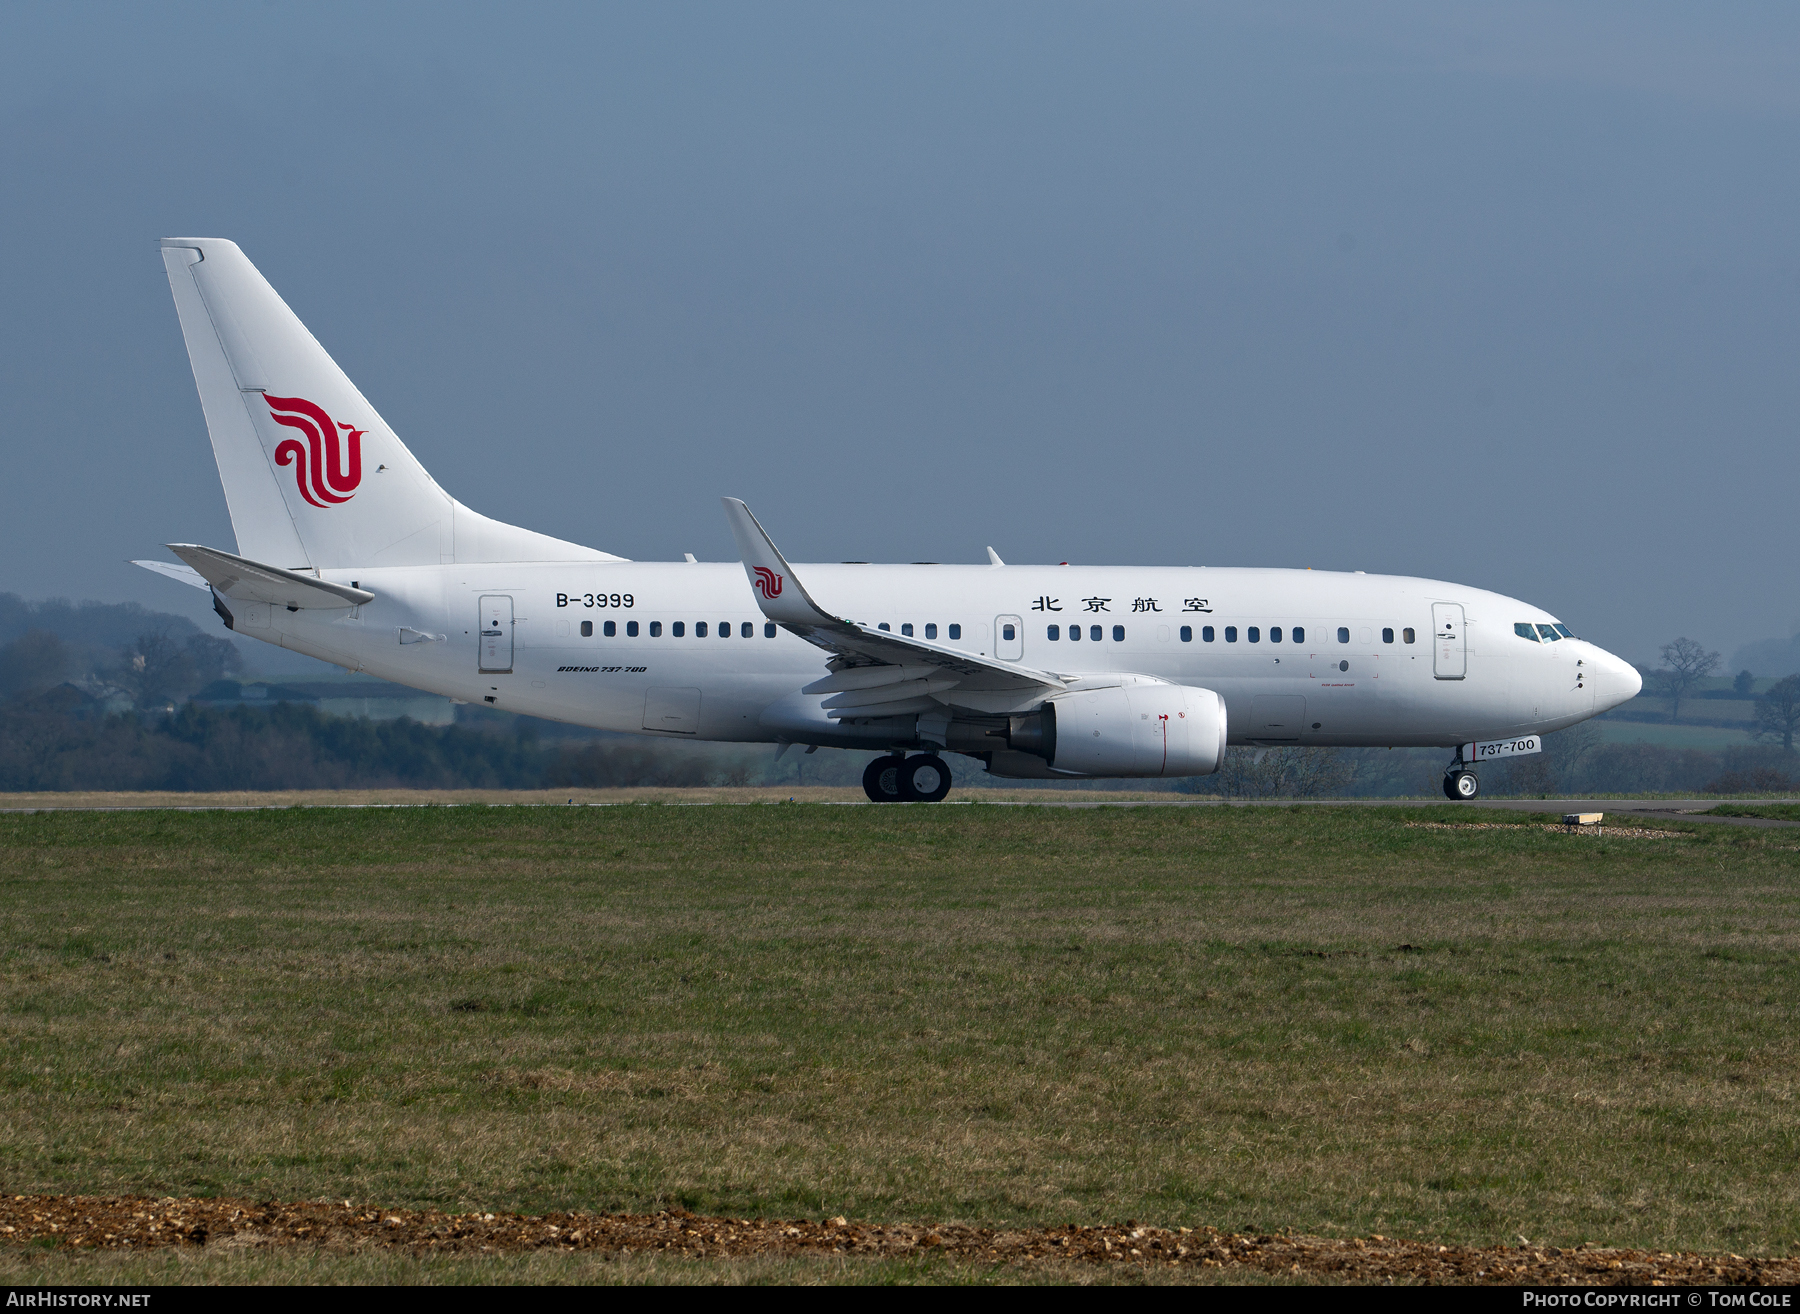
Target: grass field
683,795
1329,1019
1708,737
1768,811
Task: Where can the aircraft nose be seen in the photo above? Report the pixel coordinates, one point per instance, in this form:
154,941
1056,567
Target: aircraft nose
1618,680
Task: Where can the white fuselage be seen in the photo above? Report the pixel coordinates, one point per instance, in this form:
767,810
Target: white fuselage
1337,641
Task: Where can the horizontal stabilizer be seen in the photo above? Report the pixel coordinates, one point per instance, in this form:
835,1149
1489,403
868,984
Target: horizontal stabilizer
251,581
184,574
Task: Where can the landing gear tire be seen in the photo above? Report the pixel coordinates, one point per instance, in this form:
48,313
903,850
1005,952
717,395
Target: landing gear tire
881,779
1461,786
925,778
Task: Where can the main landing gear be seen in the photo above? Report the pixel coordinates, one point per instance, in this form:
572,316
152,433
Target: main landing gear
921,778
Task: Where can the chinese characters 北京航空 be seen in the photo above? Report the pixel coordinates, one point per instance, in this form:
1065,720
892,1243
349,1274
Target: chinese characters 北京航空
1144,604
1095,604
1047,604
1195,604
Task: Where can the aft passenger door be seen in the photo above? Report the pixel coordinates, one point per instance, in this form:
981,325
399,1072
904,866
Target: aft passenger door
1449,655
496,634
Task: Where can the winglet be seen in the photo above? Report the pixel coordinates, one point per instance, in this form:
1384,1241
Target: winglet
994,558
781,596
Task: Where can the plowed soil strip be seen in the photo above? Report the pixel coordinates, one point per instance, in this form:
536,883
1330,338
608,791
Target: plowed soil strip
142,1223
1600,832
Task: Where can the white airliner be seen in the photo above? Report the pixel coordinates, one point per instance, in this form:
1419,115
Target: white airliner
348,551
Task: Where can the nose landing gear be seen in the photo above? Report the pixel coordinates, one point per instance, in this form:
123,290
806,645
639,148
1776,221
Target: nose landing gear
921,778
1460,783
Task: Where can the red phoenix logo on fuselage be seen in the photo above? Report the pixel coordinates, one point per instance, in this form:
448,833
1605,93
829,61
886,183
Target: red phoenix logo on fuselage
768,583
328,467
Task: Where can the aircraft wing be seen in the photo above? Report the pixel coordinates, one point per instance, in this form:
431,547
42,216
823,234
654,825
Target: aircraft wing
874,672
251,581
183,574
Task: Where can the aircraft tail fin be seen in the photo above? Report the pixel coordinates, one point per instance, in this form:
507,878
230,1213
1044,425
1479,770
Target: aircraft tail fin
313,476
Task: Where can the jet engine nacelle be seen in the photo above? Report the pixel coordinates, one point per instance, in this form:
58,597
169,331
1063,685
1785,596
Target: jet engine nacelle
1144,729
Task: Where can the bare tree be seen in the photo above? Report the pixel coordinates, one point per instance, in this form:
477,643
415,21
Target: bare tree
1316,772
1743,683
154,667
1249,773
1284,773
1686,663
31,664
1533,776
1570,751
1778,712
1558,769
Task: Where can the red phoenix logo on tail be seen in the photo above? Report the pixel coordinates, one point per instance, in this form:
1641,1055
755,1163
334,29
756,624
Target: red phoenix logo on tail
328,466
768,583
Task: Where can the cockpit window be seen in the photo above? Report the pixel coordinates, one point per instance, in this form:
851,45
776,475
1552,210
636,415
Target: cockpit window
1549,633
1525,630
1565,631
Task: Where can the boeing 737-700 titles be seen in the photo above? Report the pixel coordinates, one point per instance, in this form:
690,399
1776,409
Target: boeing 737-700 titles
348,551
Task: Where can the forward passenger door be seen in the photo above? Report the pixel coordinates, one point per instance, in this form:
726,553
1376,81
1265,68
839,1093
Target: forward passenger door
1449,653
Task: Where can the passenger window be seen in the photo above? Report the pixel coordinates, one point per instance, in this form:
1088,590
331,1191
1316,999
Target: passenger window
1094,633
1255,635
1343,634
1564,630
1525,630
1053,633
724,629
610,629
631,629
1548,634
956,631
1299,634
1231,634
906,629
1118,634
1274,634
1206,633
656,629
1387,634
768,629
1074,634
1407,634
747,630
1187,633
677,629
931,631
885,626
587,629
1008,633
699,629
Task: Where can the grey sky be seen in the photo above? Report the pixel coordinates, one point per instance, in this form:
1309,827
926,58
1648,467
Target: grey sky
1505,294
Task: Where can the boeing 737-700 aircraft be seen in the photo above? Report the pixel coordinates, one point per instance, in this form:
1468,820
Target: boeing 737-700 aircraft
348,551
